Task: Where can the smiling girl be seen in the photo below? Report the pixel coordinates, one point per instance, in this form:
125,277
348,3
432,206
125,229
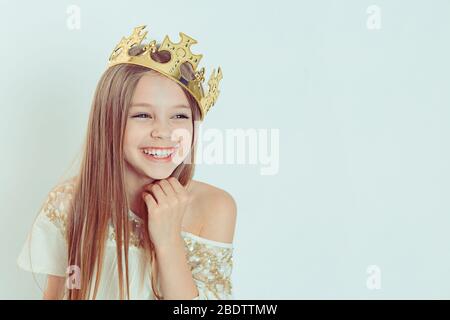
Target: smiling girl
133,224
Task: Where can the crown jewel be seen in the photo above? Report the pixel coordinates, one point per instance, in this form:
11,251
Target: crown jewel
180,53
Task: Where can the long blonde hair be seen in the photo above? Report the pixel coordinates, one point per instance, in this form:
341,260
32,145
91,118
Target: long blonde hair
99,192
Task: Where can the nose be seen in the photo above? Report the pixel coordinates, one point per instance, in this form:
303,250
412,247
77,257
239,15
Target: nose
161,130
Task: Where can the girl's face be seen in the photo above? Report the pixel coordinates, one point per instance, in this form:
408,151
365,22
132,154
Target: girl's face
159,116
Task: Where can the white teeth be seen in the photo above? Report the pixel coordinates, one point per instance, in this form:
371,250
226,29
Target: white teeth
158,153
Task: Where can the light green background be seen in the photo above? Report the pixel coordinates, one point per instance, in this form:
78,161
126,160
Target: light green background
364,136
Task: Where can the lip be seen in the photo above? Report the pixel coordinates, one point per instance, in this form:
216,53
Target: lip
167,159
162,148
152,158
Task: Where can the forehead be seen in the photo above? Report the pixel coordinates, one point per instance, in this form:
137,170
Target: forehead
160,91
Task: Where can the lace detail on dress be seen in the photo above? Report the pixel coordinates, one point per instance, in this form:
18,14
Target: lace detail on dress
136,237
58,201
211,267
56,205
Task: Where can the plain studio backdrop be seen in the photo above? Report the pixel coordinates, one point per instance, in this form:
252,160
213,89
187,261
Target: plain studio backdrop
356,202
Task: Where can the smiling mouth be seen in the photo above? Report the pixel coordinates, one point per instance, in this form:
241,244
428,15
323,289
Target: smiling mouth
163,154
159,154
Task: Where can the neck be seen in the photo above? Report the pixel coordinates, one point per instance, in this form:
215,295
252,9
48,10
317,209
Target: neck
135,184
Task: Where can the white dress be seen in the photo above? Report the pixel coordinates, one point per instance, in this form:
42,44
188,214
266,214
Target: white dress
45,251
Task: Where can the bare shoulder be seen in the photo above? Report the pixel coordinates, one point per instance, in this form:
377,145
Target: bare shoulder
218,211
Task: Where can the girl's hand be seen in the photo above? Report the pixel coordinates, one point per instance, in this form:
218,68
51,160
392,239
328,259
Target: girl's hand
167,201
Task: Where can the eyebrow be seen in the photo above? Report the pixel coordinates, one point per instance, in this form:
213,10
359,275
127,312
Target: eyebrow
144,104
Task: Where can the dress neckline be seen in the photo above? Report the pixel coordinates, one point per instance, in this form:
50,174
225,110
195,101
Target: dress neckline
139,220
134,216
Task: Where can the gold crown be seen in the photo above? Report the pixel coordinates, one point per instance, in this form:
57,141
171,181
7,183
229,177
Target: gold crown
179,54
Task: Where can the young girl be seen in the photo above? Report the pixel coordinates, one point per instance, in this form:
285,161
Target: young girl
133,224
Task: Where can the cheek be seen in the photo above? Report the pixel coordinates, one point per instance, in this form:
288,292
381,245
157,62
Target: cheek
131,142
183,133
179,131
133,133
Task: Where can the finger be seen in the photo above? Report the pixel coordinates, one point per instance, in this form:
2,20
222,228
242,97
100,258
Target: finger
149,200
181,191
176,185
167,188
158,193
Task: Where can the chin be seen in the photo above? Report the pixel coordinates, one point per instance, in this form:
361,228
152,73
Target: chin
159,175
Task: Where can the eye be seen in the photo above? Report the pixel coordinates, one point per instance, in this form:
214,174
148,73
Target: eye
144,115
183,116
139,115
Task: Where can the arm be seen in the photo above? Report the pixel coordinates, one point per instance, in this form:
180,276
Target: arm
174,273
55,288
45,249
177,279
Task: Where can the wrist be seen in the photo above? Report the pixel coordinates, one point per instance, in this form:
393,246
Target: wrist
169,246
